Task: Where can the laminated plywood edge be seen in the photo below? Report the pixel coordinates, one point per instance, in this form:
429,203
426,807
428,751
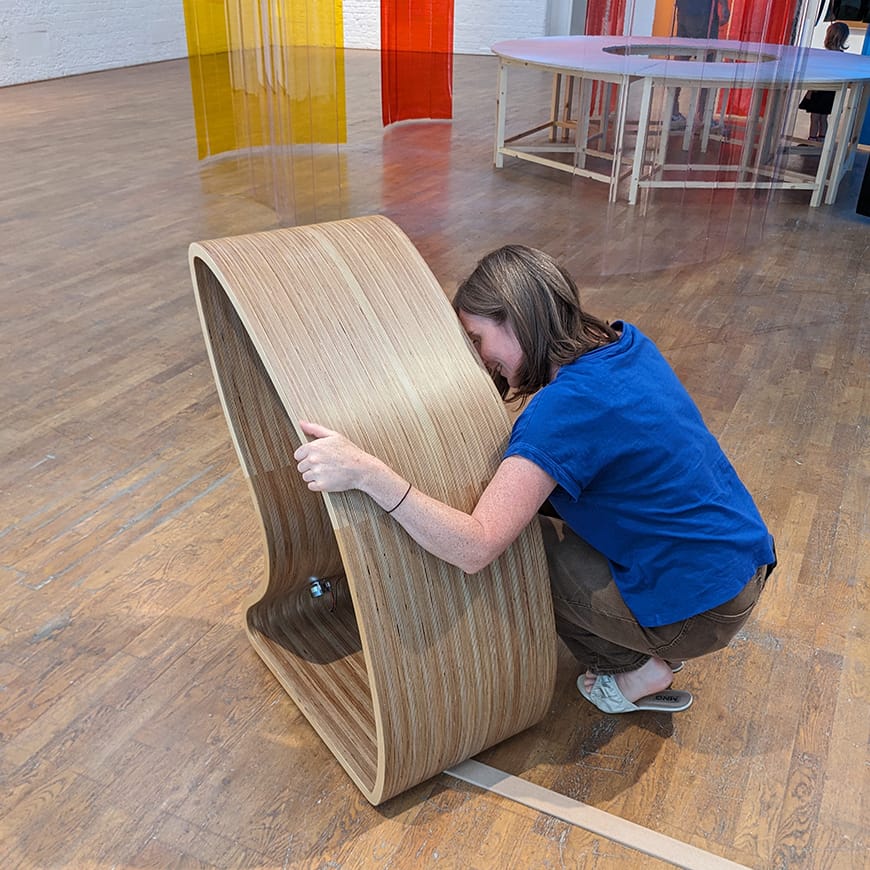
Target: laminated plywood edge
417,666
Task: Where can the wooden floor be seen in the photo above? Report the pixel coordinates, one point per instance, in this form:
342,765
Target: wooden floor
140,729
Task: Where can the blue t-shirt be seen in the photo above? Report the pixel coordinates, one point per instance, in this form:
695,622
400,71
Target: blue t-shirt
642,479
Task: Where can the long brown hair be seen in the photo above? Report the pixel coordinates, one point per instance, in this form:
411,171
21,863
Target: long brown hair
538,298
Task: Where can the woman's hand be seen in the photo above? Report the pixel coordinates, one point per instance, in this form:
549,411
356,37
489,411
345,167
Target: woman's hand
331,463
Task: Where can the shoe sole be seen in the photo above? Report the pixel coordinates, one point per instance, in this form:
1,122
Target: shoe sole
606,696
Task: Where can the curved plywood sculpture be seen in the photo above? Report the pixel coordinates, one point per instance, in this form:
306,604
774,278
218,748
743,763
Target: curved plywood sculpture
408,665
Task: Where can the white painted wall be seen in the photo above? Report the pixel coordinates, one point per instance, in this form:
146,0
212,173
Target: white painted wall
43,39
477,24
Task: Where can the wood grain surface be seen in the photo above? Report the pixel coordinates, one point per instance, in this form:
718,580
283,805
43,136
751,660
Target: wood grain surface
420,666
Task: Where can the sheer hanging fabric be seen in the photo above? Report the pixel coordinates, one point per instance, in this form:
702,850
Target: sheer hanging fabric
723,220
268,87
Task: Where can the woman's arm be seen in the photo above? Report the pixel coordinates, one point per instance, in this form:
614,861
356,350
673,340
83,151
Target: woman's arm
332,463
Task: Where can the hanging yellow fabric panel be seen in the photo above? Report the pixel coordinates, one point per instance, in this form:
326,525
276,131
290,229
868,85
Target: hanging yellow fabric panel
266,73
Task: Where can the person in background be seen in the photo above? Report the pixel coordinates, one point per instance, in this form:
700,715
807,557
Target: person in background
657,552
820,103
698,19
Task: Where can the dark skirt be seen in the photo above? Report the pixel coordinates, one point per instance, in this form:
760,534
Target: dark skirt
817,102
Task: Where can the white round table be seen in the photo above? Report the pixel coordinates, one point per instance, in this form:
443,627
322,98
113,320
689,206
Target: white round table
774,75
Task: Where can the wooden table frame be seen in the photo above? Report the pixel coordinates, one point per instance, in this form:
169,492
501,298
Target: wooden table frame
775,75
763,148
561,119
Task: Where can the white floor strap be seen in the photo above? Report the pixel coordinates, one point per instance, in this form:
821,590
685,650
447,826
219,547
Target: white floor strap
597,821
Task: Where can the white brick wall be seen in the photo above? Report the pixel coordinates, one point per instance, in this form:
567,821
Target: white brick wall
362,23
43,39
477,24
480,23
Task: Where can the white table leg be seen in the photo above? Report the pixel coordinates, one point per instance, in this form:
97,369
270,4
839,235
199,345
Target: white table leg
619,137
665,133
642,132
555,115
583,112
829,146
567,107
749,136
771,128
690,118
862,100
844,133
500,112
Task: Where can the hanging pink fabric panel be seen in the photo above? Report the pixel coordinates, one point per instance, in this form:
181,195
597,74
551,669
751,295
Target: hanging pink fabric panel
416,59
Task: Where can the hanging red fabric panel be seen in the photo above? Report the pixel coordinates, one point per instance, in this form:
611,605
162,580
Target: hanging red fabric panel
758,21
605,17
416,59
754,21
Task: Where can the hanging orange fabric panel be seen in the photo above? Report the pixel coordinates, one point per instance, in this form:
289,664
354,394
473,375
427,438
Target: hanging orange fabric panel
416,59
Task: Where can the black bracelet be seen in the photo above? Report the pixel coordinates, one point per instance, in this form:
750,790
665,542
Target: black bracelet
401,499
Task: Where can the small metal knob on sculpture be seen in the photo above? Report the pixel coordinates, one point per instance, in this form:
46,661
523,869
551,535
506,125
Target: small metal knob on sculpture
317,587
